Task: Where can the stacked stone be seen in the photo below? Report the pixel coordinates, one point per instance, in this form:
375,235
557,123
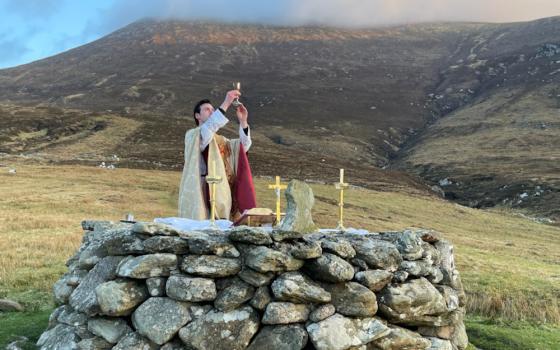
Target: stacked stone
148,286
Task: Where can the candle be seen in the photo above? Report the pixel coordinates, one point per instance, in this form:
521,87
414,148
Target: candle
341,175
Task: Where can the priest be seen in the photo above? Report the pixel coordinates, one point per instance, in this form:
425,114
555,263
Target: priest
204,147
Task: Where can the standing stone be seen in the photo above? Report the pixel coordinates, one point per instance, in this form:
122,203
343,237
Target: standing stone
146,266
298,213
284,337
211,266
329,268
298,288
352,299
110,329
120,297
284,313
375,280
192,289
340,333
221,330
83,298
159,319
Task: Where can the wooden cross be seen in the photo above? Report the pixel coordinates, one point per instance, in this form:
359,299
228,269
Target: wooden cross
277,187
341,185
212,180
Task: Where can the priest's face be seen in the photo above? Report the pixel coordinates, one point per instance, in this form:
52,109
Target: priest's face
206,111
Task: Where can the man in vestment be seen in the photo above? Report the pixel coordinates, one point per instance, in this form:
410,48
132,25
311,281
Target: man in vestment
204,148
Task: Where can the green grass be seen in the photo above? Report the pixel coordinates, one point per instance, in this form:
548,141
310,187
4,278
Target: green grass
511,335
27,324
510,266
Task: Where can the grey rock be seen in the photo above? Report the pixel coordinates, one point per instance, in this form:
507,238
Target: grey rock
120,297
298,288
61,291
234,296
110,329
283,337
175,344
71,317
221,331
431,254
166,244
154,228
75,277
322,312
400,276
416,302
97,225
210,243
280,235
255,278
198,311
193,289
159,319
418,268
250,235
409,244
429,236
264,259
305,250
338,246
284,313
352,299
59,337
18,343
146,266
439,344
211,266
115,241
375,280
261,298
359,264
339,333
377,253
135,341
459,337
443,332
83,298
156,286
329,268
95,343
400,338
450,296
300,201
7,305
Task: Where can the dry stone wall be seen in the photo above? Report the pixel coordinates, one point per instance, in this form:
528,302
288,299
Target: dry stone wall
149,286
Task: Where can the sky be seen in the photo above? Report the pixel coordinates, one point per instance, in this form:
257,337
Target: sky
35,29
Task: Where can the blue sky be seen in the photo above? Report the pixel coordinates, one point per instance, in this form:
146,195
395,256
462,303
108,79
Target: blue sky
35,29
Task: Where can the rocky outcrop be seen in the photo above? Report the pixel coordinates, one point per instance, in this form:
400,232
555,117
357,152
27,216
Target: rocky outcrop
149,286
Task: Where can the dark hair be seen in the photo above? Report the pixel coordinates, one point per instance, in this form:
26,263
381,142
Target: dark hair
197,108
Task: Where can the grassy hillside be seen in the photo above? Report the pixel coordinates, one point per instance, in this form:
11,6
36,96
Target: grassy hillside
509,265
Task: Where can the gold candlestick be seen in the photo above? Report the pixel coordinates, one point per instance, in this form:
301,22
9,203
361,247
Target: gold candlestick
277,187
212,181
341,185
